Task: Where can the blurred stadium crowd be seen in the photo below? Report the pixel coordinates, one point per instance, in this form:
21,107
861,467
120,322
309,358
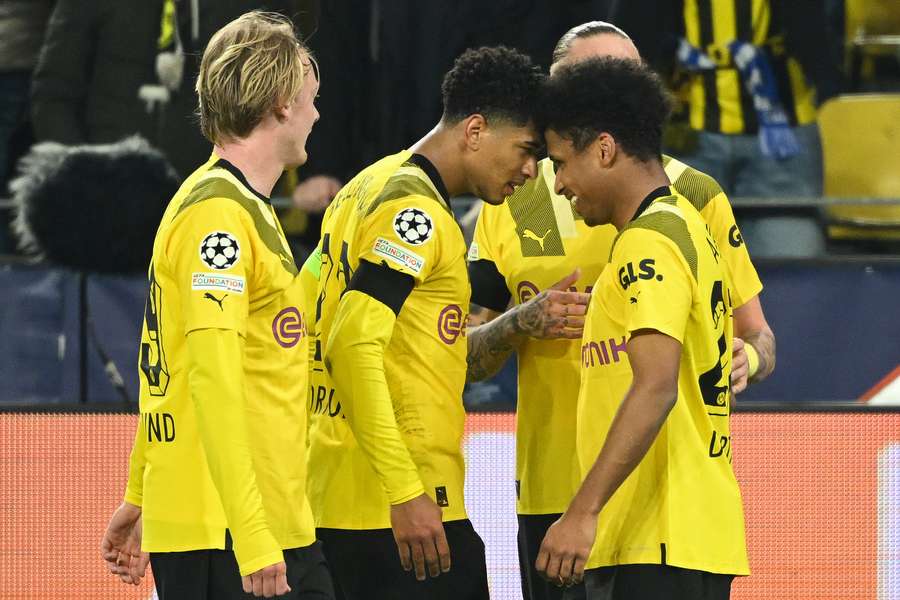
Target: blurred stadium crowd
95,72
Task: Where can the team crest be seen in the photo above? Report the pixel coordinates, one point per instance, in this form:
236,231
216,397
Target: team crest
220,250
413,226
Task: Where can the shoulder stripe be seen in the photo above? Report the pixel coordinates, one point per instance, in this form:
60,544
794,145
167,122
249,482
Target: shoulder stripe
408,180
674,168
219,183
666,219
698,187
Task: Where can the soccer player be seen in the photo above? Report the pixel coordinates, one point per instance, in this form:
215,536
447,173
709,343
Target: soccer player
218,470
386,467
535,239
653,407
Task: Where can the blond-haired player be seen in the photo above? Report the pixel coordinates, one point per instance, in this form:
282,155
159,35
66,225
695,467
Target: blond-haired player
217,476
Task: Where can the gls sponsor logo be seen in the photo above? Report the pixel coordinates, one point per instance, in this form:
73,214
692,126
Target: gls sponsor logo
451,324
647,267
734,237
288,327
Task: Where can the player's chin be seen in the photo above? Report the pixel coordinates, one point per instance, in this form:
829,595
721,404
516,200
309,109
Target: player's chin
500,195
298,160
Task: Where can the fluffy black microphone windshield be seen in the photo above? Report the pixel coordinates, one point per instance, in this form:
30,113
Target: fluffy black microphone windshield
92,208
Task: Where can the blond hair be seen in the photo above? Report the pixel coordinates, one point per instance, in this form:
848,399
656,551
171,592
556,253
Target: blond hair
250,66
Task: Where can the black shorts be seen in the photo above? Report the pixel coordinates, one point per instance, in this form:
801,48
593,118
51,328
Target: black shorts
214,575
532,529
365,565
651,582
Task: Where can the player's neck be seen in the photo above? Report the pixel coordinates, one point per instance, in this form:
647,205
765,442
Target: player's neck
635,185
439,147
258,162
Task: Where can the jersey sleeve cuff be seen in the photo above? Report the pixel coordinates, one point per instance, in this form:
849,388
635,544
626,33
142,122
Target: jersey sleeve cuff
663,328
252,566
133,497
407,494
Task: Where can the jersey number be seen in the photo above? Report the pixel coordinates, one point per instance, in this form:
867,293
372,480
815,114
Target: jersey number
341,270
153,357
714,385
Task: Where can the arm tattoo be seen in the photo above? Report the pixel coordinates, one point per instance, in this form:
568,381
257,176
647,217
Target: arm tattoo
490,345
764,343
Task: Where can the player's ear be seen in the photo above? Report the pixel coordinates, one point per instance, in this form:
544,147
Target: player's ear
605,149
281,112
473,129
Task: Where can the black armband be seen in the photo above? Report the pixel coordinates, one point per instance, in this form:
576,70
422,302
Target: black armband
383,283
488,286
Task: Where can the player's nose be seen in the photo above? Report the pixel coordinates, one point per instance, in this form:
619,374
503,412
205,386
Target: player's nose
529,169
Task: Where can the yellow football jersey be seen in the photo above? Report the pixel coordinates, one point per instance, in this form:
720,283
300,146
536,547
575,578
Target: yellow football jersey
681,506
221,263
394,213
535,239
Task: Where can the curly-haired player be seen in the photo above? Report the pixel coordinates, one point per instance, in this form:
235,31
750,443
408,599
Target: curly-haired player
658,513
386,468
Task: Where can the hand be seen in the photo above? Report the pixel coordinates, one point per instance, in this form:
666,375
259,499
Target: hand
316,193
555,312
419,532
566,548
121,545
267,582
740,367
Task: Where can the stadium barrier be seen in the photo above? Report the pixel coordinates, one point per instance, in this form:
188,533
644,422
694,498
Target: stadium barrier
834,319
820,484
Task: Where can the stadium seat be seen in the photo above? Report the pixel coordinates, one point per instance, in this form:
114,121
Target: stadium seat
861,155
872,29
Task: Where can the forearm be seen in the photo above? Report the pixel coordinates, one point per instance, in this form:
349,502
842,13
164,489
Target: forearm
763,343
632,432
354,355
217,390
491,344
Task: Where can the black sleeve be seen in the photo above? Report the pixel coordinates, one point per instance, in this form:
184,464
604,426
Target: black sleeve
383,283
59,86
488,286
812,40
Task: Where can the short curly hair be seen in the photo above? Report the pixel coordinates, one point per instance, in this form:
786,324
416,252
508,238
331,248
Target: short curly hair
618,96
496,82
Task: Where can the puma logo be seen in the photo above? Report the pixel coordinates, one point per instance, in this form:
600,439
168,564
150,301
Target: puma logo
530,235
209,296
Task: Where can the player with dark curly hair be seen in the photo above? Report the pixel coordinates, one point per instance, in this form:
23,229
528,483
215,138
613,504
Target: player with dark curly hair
535,239
579,109
658,513
386,471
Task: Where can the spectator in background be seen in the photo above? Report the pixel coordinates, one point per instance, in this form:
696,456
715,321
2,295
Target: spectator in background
22,24
112,68
95,59
754,74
